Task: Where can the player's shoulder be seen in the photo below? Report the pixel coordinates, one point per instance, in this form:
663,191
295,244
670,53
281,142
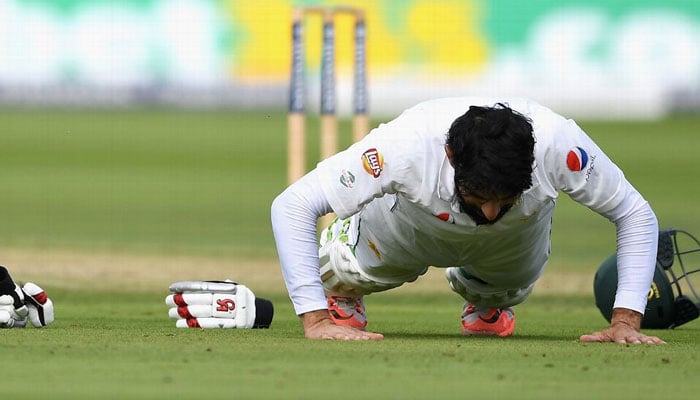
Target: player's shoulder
448,103
439,113
462,103
546,123
533,109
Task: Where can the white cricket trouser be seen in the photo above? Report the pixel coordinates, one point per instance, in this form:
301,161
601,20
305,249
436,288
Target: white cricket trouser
342,275
482,294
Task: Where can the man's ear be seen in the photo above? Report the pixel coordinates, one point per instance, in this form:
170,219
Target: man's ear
448,151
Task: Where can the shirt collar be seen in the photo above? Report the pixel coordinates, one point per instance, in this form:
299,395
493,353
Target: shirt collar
446,184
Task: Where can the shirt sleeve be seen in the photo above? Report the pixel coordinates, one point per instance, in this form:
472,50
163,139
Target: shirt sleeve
343,184
581,169
390,159
578,167
294,214
637,244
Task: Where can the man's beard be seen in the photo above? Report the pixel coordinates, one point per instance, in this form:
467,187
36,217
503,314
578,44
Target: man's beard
474,212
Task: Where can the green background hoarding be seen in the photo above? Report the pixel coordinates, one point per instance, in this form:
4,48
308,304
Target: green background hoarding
582,55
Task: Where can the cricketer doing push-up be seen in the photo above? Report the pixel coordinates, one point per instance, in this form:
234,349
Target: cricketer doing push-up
465,184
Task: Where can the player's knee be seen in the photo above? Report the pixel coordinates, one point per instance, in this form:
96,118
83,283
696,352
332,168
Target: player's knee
481,293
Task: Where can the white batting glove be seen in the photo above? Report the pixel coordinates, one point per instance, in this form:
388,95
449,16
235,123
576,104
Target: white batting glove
217,304
13,312
10,316
17,305
39,305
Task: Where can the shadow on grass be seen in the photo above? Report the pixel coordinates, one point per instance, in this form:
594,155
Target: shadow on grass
389,335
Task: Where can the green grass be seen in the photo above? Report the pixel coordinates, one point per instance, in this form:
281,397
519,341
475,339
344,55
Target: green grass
122,345
154,181
201,183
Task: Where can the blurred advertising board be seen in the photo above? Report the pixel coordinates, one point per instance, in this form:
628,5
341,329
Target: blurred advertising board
602,58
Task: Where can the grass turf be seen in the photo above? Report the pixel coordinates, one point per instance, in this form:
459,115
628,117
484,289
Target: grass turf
164,182
202,182
121,345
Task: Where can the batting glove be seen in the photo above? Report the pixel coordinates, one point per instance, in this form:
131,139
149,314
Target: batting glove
39,305
17,305
217,304
13,311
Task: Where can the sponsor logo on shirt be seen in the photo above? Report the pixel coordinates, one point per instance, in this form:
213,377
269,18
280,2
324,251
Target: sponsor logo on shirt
347,179
578,160
373,162
447,217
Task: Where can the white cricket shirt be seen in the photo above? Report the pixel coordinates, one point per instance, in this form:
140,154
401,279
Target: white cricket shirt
398,181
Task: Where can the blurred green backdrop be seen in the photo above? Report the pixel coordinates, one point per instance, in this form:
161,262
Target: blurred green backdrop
163,181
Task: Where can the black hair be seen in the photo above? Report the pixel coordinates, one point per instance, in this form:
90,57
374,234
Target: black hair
492,151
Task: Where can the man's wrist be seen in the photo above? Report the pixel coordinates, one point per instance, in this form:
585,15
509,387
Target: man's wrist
624,316
312,318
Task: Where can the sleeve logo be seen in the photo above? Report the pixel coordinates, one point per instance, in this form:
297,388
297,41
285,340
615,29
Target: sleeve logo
347,179
373,162
577,159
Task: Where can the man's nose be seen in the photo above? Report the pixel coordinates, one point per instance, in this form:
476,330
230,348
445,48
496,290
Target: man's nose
491,209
